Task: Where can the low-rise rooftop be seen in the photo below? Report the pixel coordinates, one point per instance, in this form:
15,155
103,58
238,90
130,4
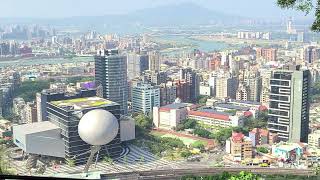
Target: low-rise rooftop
176,105
83,103
229,106
36,127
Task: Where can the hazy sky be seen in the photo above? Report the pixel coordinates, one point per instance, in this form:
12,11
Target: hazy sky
67,8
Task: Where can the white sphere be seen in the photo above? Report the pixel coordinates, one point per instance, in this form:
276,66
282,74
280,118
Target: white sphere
98,127
178,100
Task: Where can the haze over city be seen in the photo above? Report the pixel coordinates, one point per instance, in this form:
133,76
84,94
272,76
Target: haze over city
69,8
160,89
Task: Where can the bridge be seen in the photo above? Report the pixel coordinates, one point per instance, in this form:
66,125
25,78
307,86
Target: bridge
178,173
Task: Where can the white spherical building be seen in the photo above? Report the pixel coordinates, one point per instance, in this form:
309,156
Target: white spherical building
178,100
98,127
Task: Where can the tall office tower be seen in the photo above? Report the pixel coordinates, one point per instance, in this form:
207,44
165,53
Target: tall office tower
226,87
290,28
289,104
311,54
242,92
144,98
168,93
193,78
154,61
136,64
269,54
111,77
255,85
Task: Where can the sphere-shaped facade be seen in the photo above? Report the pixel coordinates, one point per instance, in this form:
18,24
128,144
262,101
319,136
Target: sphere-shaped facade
178,100
98,127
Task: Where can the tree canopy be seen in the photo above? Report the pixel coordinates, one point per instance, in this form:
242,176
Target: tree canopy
28,89
305,6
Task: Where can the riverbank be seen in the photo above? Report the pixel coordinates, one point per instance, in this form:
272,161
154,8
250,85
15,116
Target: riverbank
44,61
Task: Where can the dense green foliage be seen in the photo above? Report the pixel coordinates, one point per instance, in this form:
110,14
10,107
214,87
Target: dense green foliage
305,6
185,153
202,99
315,92
222,135
28,89
160,145
246,176
261,121
224,176
252,123
187,124
198,145
74,80
202,132
143,124
262,150
143,121
4,163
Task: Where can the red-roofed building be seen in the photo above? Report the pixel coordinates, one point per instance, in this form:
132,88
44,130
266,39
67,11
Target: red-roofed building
247,114
237,137
262,136
239,146
215,118
169,116
263,108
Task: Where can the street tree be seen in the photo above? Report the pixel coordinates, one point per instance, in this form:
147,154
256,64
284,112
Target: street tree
306,6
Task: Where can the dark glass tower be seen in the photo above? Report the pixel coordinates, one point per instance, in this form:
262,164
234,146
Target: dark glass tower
111,77
289,104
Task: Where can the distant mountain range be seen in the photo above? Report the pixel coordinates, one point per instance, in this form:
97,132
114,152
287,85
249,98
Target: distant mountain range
181,14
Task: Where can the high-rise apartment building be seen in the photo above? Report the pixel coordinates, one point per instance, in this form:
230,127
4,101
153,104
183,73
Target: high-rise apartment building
136,64
154,61
289,104
269,54
226,87
242,93
31,112
183,90
265,87
254,84
311,54
111,77
193,78
168,93
144,98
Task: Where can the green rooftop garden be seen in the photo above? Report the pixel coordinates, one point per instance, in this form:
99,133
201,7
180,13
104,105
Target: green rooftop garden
80,103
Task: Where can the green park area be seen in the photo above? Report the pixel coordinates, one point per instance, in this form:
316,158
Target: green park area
186,141
28,89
